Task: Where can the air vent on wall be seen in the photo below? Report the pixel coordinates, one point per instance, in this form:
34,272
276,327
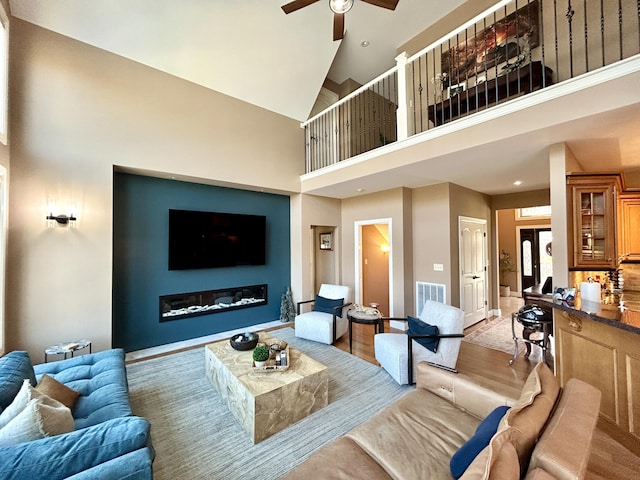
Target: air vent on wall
429,291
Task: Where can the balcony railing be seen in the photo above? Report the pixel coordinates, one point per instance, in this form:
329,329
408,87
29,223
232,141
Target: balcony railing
511,49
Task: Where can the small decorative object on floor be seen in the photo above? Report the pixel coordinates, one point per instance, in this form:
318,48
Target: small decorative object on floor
244,341
287,308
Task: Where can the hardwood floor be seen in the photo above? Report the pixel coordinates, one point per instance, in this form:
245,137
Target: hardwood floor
609,460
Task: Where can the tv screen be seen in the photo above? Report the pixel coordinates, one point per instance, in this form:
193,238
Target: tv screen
213,240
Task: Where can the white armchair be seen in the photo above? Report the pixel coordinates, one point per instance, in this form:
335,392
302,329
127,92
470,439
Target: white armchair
328,320
392,350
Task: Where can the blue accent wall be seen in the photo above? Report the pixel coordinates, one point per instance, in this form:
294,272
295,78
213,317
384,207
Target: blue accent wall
140,259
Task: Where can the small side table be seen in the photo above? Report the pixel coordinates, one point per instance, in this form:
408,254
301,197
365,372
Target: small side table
355,316
67,349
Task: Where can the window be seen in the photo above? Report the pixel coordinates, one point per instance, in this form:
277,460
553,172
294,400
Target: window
4,77
533,212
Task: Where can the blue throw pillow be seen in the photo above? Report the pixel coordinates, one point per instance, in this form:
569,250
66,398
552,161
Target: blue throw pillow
15,367
480,439
418,327
327,305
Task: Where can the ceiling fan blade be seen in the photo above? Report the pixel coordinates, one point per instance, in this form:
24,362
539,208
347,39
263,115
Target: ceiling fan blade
338,26
297,5
390,4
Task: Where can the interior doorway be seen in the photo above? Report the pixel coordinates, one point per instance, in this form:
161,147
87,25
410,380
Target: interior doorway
535,256
374,250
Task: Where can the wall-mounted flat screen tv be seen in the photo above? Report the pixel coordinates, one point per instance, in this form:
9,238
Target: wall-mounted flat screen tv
213,240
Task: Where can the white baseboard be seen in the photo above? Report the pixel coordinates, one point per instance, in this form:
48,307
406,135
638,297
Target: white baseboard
171,347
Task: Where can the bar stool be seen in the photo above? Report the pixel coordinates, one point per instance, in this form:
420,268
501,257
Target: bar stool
533,319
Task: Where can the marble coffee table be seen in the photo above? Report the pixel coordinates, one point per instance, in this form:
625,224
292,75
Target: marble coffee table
266,402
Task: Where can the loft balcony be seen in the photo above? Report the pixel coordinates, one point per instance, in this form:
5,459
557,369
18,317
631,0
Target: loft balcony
492,78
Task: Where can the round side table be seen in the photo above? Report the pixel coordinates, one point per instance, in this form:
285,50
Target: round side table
355,316
68,348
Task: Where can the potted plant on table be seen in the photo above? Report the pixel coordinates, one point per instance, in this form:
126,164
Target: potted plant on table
506,266
260,355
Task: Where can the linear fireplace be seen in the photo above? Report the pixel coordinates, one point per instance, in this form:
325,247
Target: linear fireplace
184,305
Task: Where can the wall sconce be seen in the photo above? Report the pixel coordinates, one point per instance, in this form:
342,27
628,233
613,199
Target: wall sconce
61,219
385,249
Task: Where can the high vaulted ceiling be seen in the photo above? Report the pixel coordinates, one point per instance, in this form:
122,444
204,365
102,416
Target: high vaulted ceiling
247,49
251,50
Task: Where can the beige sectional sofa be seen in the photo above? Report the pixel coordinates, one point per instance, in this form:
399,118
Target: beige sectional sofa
546,433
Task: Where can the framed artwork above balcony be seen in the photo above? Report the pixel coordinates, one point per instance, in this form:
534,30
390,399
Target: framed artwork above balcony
513,36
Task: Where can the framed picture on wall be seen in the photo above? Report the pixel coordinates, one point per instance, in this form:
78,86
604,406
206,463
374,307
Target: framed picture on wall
326,241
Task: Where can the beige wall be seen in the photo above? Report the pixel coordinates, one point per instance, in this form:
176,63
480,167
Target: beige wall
393,204
431,243
77,112
308,211
436,210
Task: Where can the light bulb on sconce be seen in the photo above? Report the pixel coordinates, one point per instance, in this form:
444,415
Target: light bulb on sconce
61,219
385,249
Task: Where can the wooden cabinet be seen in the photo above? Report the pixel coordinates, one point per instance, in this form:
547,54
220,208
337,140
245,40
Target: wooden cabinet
592,200
629,226
607,357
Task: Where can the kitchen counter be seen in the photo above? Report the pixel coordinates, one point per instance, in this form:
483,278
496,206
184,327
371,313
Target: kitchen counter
617,310
620,310
598,342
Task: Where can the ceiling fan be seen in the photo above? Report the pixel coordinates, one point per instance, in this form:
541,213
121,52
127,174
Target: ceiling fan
339,8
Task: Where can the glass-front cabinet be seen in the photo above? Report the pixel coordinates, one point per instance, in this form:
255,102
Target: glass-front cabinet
593,212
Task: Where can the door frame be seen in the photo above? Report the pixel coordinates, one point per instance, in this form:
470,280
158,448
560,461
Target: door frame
357,225
519,250
485,260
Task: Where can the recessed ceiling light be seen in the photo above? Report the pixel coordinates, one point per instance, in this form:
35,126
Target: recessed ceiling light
517,182
360,190
364,43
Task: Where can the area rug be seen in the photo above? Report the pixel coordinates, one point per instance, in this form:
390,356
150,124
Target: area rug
496,334
196,437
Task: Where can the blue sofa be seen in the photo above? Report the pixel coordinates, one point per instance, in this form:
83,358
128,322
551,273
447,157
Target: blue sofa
108,441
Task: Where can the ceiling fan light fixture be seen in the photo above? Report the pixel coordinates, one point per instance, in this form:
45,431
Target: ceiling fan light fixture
340,6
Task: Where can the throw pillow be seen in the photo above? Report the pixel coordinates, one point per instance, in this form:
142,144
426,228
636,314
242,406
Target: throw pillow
58,391
14,368
327,305
418,327
478,441
528,416
26,393
498,461
41,417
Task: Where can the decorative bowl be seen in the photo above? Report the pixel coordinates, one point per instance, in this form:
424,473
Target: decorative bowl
244,341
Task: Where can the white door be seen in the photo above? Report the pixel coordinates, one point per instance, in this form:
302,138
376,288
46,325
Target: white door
473,271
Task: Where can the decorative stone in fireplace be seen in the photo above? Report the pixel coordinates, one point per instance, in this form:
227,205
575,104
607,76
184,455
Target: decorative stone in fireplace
183,305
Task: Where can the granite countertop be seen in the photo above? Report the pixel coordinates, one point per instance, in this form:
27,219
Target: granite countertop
621,310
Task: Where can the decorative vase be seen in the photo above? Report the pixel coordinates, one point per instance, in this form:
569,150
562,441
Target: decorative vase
260,364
